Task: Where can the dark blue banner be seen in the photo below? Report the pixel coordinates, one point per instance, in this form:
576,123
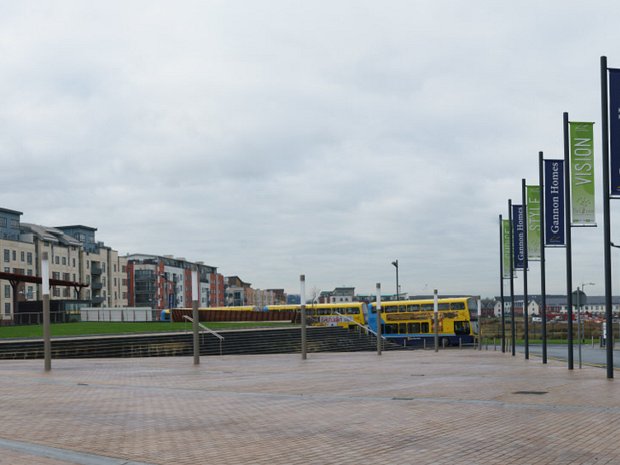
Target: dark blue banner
554,202
614,131
518,234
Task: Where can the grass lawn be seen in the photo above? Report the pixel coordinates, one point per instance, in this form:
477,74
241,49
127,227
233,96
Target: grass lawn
90,328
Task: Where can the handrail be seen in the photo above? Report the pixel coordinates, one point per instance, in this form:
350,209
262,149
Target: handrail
367,328
221,338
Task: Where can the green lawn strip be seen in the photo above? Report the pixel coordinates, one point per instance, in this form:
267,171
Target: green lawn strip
94,328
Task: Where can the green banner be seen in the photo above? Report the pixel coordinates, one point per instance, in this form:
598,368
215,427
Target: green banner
506,248
532,217
582,173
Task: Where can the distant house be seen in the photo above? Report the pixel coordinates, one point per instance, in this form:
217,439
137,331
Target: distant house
339,294
555,304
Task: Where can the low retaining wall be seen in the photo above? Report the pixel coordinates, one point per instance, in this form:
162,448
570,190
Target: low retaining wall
234,315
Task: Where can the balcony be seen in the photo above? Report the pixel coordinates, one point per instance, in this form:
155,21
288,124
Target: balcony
98,300
96,286
95,269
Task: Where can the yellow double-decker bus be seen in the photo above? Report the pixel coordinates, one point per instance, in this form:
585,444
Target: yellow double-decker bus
345,314
410,322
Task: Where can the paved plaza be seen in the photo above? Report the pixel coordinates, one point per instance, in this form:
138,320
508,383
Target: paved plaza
410,407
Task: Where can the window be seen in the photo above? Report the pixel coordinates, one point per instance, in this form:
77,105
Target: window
88,264
29,292
7,308
22,256
29,258
124,269
56,291
29,272
115,268
103,267
55,275
2,222
64,260
114,282
57,260
124,295
14,255
7,255
461,327
7,291
7,269
14,224
74,263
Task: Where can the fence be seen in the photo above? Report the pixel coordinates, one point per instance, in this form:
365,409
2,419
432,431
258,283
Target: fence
557,330
130,314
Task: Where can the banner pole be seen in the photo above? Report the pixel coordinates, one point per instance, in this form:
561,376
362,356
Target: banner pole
195,318
302,294
543,289
526,340
45,291
569,260
436,319
378,305
501,282
609,349
512,282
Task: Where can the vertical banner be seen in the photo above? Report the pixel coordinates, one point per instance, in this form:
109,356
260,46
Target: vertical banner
506,248
614,131
582,173
532,196
518,218
554,203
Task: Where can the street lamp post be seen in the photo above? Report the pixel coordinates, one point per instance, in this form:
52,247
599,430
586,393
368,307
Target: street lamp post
395,263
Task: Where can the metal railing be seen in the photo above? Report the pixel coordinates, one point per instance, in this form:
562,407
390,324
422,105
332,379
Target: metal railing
219,336
367,328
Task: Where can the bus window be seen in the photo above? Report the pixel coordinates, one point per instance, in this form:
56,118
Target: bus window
402,328
413,327
443,306
461,328
391,329
424,327
427,307
457,306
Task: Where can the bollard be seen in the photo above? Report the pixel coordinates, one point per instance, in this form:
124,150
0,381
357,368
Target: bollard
460,343
443,343
424,341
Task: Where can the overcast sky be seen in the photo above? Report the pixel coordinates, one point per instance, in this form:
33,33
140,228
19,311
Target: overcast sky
275,138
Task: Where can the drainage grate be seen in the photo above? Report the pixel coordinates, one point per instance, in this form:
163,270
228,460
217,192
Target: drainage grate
402,398
536,393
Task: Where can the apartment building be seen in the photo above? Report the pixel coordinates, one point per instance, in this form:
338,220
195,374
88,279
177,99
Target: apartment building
73,254
161,282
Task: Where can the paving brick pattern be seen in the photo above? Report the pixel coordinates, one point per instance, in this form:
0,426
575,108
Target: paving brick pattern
413,407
